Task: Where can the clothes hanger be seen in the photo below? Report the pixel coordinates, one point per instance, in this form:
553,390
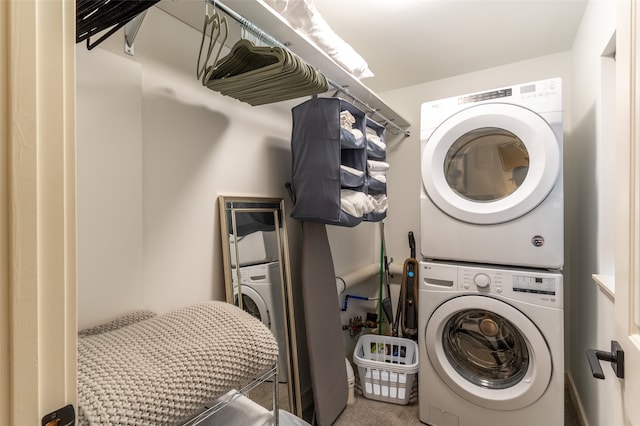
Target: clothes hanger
214,24
259,74
263,74
95,16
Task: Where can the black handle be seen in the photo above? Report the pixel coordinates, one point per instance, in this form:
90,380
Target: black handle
412,245
615,357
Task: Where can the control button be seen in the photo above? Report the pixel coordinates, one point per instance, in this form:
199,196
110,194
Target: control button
498,289
481,280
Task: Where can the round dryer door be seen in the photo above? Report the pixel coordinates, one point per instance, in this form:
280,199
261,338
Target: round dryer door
488,352
491,163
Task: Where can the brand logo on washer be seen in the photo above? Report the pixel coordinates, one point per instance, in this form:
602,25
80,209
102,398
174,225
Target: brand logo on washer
537,240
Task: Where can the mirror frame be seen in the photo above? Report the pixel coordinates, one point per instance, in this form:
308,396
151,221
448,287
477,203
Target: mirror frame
228,209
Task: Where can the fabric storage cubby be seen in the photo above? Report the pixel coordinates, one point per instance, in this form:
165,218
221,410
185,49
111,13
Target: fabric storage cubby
329,163
376,176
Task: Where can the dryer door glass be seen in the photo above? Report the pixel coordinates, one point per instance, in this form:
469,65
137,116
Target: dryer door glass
486,164
486,349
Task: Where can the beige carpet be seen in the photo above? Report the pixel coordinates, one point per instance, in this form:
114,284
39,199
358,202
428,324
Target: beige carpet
367,412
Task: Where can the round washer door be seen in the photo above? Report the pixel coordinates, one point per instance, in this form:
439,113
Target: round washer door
490,163
488,352
254,304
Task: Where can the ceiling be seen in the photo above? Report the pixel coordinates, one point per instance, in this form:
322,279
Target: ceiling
406,42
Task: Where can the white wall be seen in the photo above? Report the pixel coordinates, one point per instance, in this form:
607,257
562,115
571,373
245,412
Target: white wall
589,192
109,185
155,149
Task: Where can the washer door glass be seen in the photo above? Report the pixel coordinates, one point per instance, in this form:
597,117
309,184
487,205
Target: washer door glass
491,163
488,352
485,348
254,304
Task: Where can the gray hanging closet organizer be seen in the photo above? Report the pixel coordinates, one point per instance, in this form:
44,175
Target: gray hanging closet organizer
329,161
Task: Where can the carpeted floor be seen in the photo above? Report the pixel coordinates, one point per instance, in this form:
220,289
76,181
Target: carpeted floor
368,412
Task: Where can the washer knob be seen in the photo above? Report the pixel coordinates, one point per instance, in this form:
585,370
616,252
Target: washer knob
482,280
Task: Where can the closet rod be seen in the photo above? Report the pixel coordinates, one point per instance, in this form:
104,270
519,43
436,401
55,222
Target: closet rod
271,40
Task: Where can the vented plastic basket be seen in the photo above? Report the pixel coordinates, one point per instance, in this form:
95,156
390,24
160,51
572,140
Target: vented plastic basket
387,367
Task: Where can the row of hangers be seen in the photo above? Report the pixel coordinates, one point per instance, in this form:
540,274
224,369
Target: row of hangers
252,73
95,16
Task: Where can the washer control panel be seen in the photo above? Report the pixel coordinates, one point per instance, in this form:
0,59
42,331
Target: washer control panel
539,287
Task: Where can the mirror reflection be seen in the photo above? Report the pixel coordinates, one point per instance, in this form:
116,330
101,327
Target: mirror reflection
258,279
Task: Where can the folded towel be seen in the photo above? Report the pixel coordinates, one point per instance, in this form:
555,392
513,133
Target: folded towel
381,177
375,139
347,118
377,166
303,16
351,170
357,133
379,203
355,203
358,204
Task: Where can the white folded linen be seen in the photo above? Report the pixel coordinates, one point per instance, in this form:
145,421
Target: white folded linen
381,177
375,139
355,203
351,170
379,203
377,166
305,18
347,119
357,133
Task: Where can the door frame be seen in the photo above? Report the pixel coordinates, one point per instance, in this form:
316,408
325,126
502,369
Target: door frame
38,210
627,256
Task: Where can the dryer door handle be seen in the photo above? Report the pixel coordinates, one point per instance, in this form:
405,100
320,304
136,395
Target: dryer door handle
615,357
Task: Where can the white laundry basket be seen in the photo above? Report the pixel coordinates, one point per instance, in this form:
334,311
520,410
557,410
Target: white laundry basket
387,367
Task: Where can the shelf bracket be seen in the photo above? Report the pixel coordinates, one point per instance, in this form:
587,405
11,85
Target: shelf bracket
131,31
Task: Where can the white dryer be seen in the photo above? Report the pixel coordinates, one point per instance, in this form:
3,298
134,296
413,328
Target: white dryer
262,298
492,189
491,346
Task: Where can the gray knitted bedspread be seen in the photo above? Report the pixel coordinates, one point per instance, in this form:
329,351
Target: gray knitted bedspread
146,369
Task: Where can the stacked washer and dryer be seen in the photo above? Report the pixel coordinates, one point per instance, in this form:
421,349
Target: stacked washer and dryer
490,293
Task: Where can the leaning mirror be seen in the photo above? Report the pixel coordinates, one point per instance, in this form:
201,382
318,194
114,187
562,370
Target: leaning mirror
258,278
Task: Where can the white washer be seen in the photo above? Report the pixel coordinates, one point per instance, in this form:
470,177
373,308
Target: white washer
492,188
491,346
261,297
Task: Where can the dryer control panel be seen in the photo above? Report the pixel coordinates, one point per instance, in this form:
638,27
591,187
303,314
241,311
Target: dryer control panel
529,285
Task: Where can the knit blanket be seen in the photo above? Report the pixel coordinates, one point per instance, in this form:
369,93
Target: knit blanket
147,369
